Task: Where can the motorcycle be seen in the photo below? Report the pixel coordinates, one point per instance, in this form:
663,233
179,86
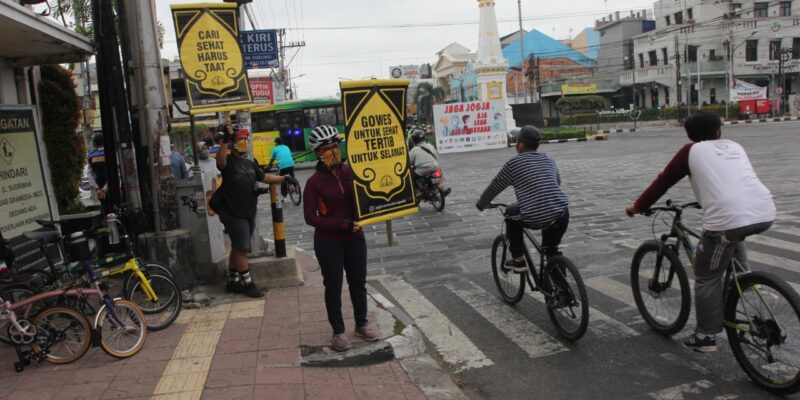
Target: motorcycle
433,189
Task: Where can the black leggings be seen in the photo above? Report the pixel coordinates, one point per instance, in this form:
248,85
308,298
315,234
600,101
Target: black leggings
334,259
285,186
551,235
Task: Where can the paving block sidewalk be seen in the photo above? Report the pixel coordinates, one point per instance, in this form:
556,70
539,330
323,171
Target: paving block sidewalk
238,348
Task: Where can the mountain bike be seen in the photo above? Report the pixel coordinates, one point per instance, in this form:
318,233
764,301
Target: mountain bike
762,312
292,189
556,277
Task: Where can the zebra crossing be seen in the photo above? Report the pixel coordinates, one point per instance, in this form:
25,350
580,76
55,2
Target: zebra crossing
536,339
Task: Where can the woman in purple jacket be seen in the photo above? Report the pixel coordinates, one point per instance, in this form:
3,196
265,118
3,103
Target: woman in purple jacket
338,239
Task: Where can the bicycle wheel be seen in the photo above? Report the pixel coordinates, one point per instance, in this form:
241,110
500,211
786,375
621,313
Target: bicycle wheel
763,327
663,303
64,334
148,268
510,284
125,340
568,305
14,293
163,312
437,199
295,193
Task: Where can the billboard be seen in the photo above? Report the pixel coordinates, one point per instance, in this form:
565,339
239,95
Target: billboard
575,88
374,114
475,125
262,90
741,90
410,72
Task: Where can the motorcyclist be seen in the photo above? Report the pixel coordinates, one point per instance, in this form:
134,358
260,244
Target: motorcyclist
424,160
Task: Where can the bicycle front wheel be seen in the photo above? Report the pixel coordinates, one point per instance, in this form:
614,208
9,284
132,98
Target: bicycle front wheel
14,294
162,312
123,336
148,268
510,284
64,334
568,306
660,288
295,193
763,326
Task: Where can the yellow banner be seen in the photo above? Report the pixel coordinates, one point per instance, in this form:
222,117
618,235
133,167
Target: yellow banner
211,58
575,88
374,113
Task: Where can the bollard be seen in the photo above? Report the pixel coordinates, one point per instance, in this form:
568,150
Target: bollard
277,220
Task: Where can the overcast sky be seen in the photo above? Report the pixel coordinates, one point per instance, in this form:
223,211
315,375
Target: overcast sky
361,44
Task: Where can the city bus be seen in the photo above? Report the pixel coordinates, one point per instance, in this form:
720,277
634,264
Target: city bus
293,121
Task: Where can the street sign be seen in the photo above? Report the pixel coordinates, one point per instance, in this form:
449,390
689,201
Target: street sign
260,48
779,90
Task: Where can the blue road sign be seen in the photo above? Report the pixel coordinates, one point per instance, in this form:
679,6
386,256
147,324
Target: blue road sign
260,48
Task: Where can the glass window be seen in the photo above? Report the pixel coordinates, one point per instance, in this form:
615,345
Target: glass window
734,12
667,18
785,8
751,50
774,49
311,117
760,9
666,96
653,57
692,53
339,115
664,56
641,60
796,48
327,116
689,13
264,122
679,17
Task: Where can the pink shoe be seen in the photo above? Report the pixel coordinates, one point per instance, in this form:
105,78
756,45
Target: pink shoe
368,333
340,342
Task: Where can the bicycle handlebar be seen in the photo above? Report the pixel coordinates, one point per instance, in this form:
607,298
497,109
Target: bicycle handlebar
672,207
496,205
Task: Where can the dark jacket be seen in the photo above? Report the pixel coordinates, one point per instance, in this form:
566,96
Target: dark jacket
329,206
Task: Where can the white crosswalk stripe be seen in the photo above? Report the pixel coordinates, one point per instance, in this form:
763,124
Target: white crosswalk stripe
789,230
774,261
451,343
678,392
529,337
772,242
612,288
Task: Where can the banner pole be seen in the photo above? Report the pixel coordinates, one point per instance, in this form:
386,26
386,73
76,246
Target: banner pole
389,234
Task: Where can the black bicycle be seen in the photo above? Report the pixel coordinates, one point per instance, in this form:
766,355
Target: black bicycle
762,312
557,278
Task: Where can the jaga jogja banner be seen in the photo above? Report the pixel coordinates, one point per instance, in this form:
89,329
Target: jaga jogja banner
211,58
742,90
23,193
476,125
374,114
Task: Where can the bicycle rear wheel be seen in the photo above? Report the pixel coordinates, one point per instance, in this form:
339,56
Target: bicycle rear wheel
568,306
64,334
162,312
763,327
121,340
295,193
510,284
663,302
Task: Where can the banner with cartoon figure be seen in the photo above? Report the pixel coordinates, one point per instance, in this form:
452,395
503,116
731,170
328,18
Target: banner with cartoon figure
211,58
742,90
475,125
374,114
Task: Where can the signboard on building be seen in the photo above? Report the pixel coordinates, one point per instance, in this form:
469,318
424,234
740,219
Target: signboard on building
374,114
23,193
575,88
262,90
211,58
410,72
260,48
475,125
742,90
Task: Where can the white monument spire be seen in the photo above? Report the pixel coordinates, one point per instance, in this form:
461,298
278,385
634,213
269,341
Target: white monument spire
491,66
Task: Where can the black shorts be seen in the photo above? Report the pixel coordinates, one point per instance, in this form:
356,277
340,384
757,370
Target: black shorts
239,229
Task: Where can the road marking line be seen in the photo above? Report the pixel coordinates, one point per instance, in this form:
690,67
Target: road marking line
453,345
612,288
774,261
789,230
529,337
677,392
772,242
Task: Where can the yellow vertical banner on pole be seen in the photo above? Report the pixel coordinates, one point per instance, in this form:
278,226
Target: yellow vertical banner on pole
211,58
374,113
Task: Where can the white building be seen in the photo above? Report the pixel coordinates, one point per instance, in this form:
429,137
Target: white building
694,39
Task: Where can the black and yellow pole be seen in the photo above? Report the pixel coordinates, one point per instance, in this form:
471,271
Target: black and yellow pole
277,220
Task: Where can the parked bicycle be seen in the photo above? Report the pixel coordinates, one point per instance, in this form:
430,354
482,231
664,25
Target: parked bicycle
556,278
762,312
293,189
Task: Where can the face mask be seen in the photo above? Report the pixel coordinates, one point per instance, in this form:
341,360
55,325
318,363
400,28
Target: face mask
241,146
204,154
332,157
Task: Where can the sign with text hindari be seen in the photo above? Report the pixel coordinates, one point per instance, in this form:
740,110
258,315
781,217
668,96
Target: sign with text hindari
211,58
470,126
374,114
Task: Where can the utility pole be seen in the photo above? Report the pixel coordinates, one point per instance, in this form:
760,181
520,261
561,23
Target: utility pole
284,73
679,91
521,47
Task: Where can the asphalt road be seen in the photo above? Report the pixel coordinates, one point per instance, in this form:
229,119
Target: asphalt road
440,273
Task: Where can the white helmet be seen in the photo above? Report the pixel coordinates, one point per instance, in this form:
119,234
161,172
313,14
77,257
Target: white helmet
322,135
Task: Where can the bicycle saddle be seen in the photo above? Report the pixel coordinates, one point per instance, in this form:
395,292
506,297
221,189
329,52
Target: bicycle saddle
71,223
42,236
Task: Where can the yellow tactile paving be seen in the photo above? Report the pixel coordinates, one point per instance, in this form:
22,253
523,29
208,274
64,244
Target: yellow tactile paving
197,344
206,326
194,395
190,382
188,365
247,309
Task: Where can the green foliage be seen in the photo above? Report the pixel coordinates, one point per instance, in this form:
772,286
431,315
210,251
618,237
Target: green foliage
425,97
650,114
559,133
66,152
587,102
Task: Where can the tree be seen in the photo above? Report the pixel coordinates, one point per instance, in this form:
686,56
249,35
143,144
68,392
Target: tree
80,13
66,152
425,97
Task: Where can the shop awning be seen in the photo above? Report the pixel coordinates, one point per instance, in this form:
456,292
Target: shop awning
29,39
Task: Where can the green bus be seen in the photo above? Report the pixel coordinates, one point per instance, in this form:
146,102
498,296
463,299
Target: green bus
293,121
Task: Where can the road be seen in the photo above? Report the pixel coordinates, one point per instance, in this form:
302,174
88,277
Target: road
440,273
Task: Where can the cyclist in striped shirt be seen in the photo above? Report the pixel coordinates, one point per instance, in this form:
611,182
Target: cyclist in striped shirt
541,202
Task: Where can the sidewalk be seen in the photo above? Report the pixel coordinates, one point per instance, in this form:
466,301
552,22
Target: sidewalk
239,348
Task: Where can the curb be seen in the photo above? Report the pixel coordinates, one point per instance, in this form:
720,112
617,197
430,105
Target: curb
616,130
594,136
762,120
407,343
